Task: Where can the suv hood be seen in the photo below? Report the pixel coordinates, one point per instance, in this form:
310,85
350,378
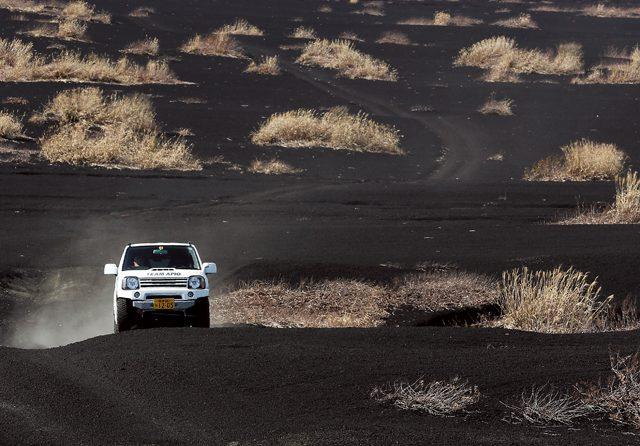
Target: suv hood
162,273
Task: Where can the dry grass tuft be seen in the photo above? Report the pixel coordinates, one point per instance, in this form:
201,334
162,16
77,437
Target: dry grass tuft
626,72
556,301
303,32
372,7
23,6
67,30
273,166
351,303
90,128
341,55
268,66
619,397
440,398
335,129
604,10
240,28
142,11
395,38
521,21
10,126
441,18
504,59
325,9
581,160
624,210
349,35
83,11
18,62
150,46
502,107
546,406
213,44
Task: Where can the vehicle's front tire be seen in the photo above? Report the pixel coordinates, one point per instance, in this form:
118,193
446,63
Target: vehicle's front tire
124,315
201,310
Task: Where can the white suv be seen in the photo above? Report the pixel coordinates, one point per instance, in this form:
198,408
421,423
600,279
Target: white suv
160,282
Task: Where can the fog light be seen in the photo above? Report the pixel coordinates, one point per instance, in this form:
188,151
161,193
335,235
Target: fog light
190,294
136,294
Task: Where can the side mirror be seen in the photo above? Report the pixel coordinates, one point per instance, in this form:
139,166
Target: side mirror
111,269
210,268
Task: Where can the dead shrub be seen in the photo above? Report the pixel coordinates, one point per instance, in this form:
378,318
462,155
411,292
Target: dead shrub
349,35
335,129
441,18
395,38
504,59
303,32
555,301
521,21
23,6
440,398
342,56
273,166
240,28
372,7
114,131
268,66
142,11
502,107
83,11
582,160
18,62
72,29
545,406
10,126
623,72
608,11
149,46
213,44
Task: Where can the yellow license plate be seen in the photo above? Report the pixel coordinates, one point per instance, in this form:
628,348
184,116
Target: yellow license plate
164,304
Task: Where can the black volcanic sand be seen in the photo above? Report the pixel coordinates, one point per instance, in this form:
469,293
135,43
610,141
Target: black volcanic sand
348,215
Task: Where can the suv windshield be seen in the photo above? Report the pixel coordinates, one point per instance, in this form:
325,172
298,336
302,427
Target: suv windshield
158,256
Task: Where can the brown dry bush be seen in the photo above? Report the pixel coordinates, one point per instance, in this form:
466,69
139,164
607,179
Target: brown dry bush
581,160
627,72
90,128
269,66
334,129
303,32
502,107
521,21
18,62
349,35
67,30
342,56
150,46
372,7
545,406
23,5
240,28
142,11
349,303
604,10
213,44
10,126
441,18
273,166
504,59
555,301
395,38
80,10
440,398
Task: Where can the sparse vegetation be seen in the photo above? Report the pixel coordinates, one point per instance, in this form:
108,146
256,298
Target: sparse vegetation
581,160
83,11
624,210
627,72
10,126
605,10
372,7
350,303
22,6
555,301
545,406
142,11
67,29
149,46
240,28
303,32
269,66
335,129
342,56
213,44
273,166
441,18
504,59
440,398
18,62
521,21
348,35
90,128
395,38
502,107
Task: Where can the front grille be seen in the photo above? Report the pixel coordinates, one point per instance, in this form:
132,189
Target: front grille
164,297
164,282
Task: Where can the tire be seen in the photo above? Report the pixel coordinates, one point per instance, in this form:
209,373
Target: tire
124,315
201,310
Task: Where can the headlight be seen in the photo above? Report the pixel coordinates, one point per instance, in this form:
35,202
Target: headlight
196,282
130,283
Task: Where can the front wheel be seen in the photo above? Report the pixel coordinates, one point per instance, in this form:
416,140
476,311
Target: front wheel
201,310
124,315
